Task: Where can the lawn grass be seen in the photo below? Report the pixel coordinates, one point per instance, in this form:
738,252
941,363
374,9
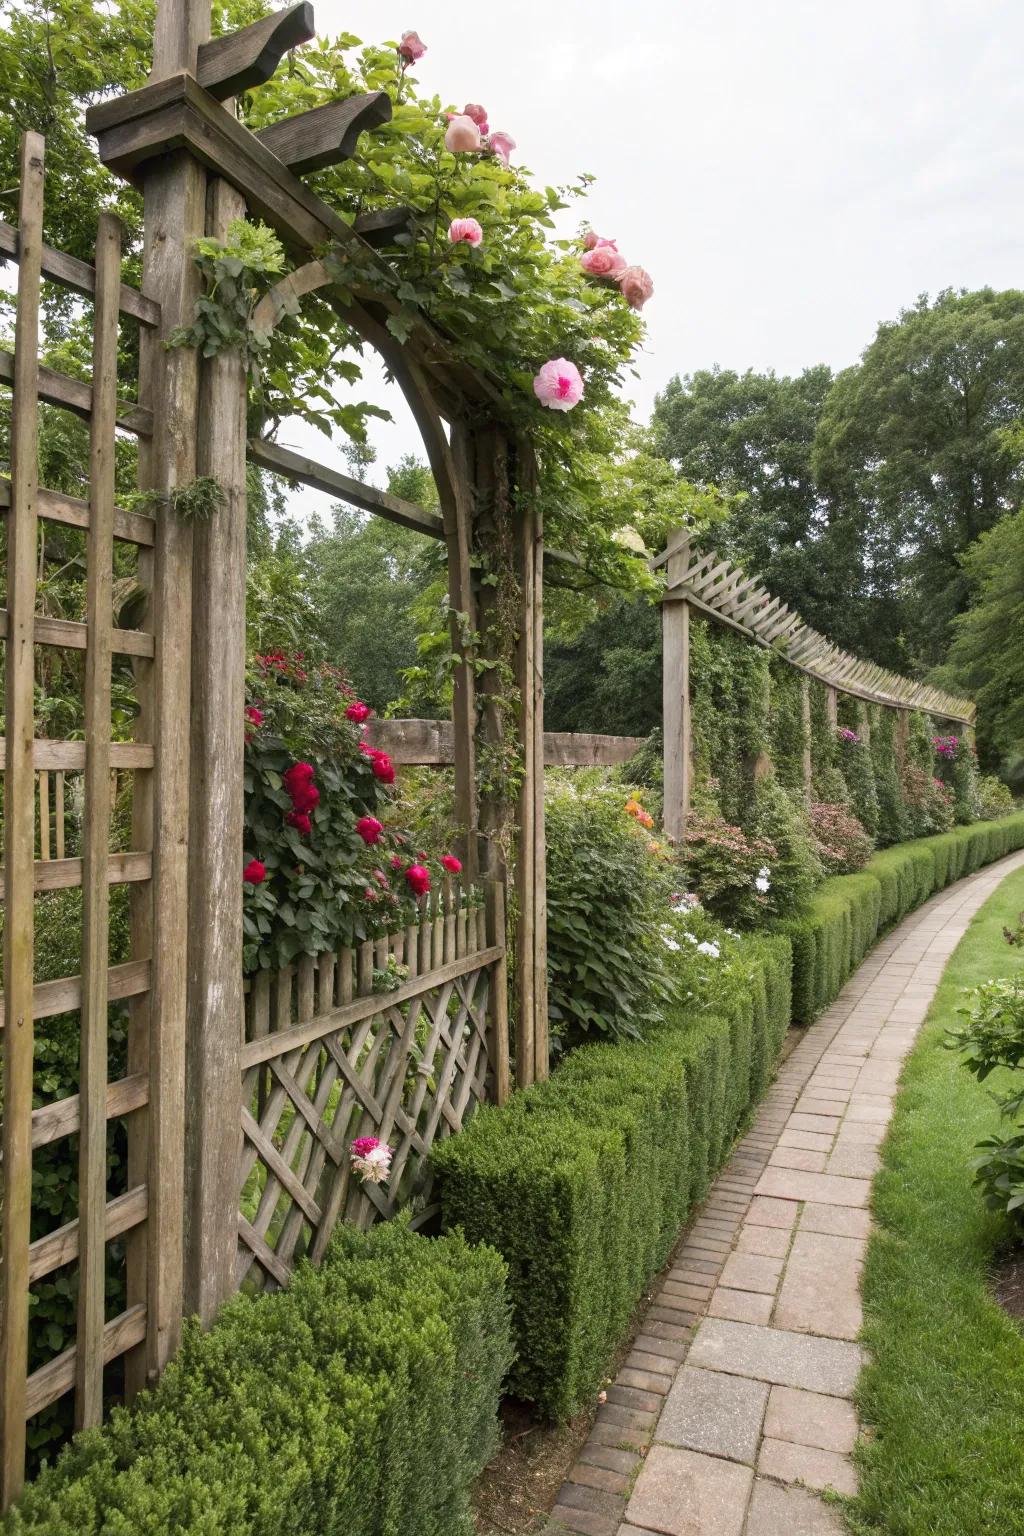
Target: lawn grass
944,1396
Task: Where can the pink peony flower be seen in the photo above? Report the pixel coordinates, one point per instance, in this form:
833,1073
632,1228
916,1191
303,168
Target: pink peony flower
255,872
411,47
418,879
603,261
465,230
636,285
463,135
369,829
501,145
477,113
452,864
358,712
558,385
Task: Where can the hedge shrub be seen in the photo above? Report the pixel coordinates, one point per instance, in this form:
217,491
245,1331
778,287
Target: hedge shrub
582,1183
362,1399
846,914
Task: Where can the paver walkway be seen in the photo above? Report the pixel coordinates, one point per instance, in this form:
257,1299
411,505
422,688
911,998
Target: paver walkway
735,1402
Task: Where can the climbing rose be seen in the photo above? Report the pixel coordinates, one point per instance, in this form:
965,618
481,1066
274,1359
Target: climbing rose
305,798
300,821
636,285
297,775
369,829
477,113
452,864
253,715
255,872
382,766
501,145
466,231
463,135
411,47
558,385
603,261
371,1158
358,712
592,240
418,879
396,862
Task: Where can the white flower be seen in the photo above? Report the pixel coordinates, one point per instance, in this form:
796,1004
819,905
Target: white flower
762,884
763,872
685,903
691,938
669,943
708,948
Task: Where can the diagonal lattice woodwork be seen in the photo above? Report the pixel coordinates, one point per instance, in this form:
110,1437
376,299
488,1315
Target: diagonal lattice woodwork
408,1065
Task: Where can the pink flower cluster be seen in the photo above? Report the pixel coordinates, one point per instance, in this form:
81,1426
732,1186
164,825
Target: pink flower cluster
946,746
469,133
602,258
371,1158
845,734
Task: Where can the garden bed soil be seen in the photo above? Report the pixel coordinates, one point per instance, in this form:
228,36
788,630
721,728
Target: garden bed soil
1008,1283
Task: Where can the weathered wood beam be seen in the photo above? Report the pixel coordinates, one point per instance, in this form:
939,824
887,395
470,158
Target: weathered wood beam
319,477
325,135
235,63
80,277
75,395
385,226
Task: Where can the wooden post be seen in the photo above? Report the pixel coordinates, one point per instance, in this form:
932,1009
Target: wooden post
864,722
174,194
497,1002
677,724
832,707
805,723
19,830
92,1162
532,1046
902,737
215,1002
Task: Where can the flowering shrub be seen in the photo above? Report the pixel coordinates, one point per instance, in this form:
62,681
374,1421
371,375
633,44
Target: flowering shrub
858,771
724,867
780,819
326,863
847,736
841,843
371,1159
929,802
957,766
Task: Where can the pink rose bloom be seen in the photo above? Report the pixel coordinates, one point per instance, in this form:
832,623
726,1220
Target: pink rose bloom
463,136
358,711
452,864
636,285
418,879
466,230
501,145
558,385
477,113
369,829
411,47
603,261
592,239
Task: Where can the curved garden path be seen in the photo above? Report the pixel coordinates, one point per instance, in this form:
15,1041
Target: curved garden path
735,1403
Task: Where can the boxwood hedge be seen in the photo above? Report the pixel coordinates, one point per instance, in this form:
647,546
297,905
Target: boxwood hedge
361,1400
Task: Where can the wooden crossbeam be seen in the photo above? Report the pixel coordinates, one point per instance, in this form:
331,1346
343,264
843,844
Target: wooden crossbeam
75,395
385,226
56,507
81,278
319,477
75,636
50,998
236,62
325,135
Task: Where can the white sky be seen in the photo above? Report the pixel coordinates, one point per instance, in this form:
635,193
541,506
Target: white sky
789,172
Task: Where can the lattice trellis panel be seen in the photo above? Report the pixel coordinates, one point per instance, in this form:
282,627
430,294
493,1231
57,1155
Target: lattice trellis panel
408,1066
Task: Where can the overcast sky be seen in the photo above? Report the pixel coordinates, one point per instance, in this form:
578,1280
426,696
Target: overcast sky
789,172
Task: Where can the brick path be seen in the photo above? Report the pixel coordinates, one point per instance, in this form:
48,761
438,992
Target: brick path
735,1403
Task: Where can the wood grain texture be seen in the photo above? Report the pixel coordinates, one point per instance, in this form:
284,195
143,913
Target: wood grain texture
19,832
80,277
229,65
325,135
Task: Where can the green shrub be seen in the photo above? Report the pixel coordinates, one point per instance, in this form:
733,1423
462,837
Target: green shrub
994,797
859,774
361,1400
893,815
957,765
929,803
991,1039
605,892
780,819
847,914
730,872
841,842
583,1182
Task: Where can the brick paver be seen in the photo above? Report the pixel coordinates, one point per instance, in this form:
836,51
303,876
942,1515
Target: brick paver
734,1403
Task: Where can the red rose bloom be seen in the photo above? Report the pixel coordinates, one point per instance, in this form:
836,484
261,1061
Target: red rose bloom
358,712
452,864
418,879
253,715
297,775
383,767
369,829
255,872
300,821
306,797
396,862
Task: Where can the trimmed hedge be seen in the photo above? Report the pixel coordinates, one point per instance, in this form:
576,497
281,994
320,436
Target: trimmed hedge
583,1183
847,914
362,1399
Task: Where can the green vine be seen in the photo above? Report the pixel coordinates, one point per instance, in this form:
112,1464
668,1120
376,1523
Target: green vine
237,273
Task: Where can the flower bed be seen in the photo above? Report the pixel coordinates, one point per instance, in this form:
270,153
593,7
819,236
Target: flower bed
362,1399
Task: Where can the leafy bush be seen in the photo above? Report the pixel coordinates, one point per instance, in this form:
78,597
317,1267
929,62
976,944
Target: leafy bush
584,1182
724,866
362,1399
893,815
929,803
605,890
847,913
780,819
994,797
958,768
992,1038
859,774
841,842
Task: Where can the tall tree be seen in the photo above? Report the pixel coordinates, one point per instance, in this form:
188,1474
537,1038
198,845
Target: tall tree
912,446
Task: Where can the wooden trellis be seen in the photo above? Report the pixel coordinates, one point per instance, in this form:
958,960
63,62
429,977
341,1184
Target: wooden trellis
722,591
